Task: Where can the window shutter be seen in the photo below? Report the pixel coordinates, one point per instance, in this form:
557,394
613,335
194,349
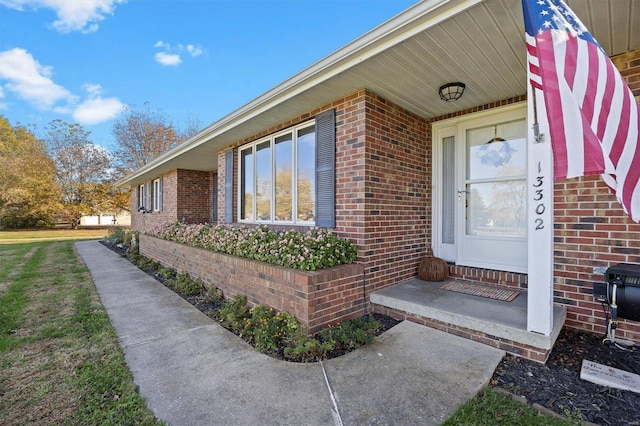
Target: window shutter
325,169
228,186
214,206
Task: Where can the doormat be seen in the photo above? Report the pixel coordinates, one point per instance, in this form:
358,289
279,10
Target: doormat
481,290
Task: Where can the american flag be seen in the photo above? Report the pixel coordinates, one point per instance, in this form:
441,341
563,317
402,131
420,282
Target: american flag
593,117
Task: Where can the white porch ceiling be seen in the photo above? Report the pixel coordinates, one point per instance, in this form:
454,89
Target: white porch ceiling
406,60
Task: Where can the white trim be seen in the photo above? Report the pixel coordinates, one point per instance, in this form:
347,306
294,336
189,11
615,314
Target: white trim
293,131
157,195
438,248
142,196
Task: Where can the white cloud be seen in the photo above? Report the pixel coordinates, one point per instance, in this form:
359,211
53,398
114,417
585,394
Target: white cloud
168,59
92,89
194,50
3,106
173,56
96,109
73,15
31,81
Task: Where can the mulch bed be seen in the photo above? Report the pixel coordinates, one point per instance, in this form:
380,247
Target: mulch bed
557,386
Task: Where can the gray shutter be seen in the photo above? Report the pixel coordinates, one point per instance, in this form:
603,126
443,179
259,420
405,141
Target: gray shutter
228,186
325,169
214,201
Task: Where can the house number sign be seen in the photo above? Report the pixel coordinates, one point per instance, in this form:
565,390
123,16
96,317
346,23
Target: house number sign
539,198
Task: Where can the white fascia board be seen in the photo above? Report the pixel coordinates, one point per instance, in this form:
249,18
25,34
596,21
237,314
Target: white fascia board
417,18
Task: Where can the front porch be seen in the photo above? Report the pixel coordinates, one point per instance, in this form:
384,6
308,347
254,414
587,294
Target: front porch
493,322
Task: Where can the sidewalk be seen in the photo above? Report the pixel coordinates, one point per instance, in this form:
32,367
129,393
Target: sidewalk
192,371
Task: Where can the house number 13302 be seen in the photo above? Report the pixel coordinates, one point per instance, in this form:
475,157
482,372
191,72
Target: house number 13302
539,198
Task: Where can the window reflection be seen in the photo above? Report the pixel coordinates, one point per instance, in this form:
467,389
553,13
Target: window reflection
246,186
263,175
306,175
496,208
284,178
495,180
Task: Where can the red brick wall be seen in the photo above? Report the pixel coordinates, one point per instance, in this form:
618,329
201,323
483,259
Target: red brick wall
591,230
397,191
629,66
195,196
143,221
185,194
317,298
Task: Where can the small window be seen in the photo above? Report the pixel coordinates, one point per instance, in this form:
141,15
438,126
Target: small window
141,198
157,195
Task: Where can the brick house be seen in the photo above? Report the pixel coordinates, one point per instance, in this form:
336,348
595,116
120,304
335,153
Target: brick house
405,174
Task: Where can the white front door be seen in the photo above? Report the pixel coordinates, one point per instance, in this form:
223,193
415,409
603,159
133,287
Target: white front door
480,190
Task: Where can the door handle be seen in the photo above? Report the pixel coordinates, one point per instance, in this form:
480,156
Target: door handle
461,191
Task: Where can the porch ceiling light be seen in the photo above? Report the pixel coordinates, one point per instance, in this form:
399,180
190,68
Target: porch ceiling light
451,91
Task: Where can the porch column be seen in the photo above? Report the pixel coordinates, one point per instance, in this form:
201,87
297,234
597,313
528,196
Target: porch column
540,220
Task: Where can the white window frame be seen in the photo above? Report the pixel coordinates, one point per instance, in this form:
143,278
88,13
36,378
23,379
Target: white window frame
157,195
293,131
141,197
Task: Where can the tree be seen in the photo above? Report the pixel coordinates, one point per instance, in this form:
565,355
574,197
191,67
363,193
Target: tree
142,135
29,193
81,168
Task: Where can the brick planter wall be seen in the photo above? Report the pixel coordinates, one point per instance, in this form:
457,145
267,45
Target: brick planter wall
316,298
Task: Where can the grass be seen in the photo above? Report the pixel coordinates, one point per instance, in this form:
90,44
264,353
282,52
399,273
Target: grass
29,236
59,356
491,408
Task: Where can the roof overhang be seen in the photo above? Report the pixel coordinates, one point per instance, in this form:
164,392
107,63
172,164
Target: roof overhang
406,60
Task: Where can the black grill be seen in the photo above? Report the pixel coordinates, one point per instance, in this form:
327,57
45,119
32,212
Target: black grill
621,291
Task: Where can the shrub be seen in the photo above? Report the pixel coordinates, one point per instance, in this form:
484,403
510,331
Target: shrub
234,314
166,273
307,349
351,334
316,249
268,329
213,295
187,285
115,236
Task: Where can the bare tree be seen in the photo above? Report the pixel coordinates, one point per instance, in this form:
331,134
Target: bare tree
142,135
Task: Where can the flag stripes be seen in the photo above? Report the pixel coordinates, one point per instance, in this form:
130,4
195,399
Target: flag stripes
593,116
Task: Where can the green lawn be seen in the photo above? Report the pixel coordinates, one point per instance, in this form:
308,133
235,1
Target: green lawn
492,408
59,355
24,236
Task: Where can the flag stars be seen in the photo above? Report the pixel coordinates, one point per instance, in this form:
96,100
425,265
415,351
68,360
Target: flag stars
544,12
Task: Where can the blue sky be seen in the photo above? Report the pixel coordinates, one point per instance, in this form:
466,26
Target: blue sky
84,60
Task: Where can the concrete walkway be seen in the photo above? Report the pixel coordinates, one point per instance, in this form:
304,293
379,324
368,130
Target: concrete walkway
192,371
